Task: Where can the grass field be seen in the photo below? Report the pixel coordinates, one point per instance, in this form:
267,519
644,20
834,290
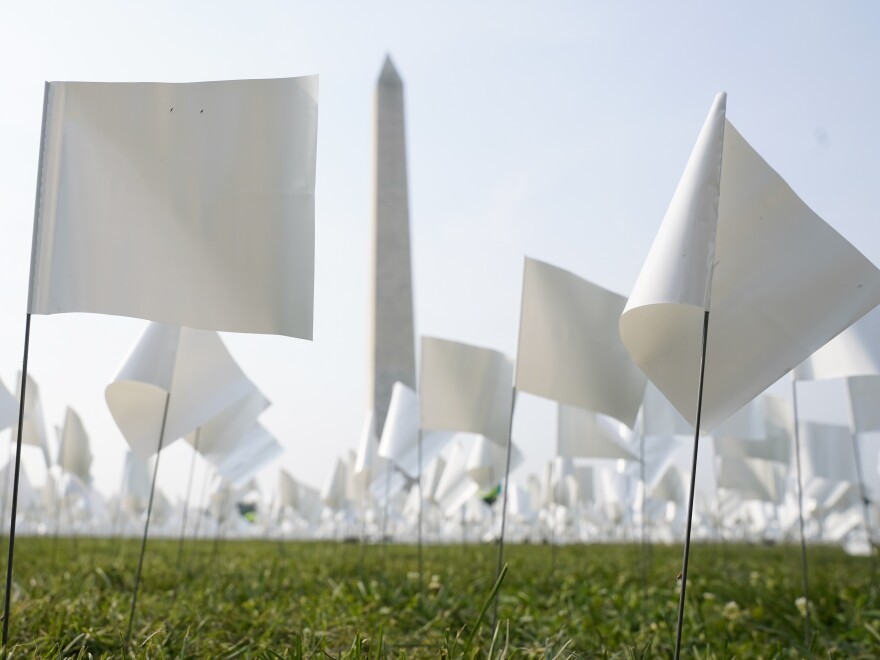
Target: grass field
262,599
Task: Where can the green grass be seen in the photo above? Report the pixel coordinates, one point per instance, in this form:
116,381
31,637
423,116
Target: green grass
262,599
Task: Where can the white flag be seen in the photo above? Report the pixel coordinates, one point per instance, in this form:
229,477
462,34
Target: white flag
257,448
191,204
465,388
782,281
569,344
400,437
864,403
8,408
752,479
190,369
828,452
217,438
777,450
74,454
854,352
33,431
585,434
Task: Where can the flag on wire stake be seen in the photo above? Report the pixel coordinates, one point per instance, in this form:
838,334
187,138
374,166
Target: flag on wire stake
466,389
184,203
854,355
779,282
569,347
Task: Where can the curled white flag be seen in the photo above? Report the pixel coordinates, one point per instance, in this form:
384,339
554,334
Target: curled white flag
74,453
190,369
782,281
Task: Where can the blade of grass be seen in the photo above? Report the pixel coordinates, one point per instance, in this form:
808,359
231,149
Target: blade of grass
482,615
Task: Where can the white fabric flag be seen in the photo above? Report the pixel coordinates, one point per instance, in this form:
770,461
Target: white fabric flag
777,450
136,482
74,454
303,499
474,464
854,352
827,452
659,417
220,436
257,449
782,281
401,431
184,203
487,462
368,462
191,369
569,344
864,401
670,486
745,423
465,388
33,431
778,419
752,479
8,408
335,490
288,490
400,435
585,434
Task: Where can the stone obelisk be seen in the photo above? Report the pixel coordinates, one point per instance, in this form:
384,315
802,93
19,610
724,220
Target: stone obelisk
393,340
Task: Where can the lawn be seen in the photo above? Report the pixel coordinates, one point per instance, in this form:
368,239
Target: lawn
246,599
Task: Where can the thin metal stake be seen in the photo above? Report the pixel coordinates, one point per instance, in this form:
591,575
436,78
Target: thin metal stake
863,492
24,362
504,506
421,505
189,483
687,539
137,579
642,534
800,487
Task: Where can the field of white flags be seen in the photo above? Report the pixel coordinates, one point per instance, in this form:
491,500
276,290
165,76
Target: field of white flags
559,339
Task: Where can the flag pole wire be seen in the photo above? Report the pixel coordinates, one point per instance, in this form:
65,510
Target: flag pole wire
504,506
421,512
363,544
24,362
221,519
554,502
70,518
189,483
690,513
6,480
800,496
24,374
863,491
385,511
642,532
137,579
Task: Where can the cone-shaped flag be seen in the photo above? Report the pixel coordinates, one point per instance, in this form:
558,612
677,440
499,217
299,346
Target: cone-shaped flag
190,369
782,282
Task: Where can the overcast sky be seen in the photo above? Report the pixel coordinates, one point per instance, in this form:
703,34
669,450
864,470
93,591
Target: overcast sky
555,130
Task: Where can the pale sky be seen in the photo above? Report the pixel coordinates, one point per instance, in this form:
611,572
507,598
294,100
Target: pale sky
554,130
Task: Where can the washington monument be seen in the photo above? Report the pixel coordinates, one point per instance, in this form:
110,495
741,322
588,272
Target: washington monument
393,337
